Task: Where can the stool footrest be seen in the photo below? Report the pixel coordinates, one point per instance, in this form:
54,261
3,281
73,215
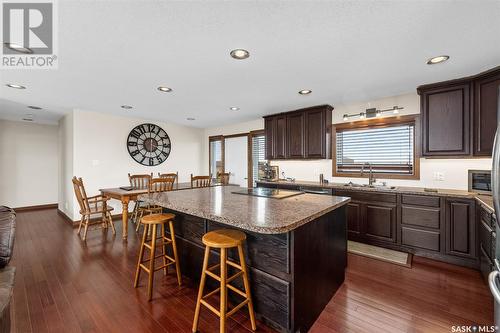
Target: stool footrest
211,308
157,244
164,266
237,307
235,265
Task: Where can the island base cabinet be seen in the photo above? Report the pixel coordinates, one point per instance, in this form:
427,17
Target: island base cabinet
292,275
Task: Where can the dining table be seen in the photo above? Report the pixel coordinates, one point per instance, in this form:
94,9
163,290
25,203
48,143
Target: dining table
124,194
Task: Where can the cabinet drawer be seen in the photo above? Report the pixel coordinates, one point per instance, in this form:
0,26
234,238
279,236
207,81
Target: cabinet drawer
420,200
368,196
485,237
420,216
423,239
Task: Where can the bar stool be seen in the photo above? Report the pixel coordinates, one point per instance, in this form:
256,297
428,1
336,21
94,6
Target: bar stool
224,239
151,222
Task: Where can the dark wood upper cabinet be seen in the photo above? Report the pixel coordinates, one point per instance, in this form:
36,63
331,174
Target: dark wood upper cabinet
299,134
318,127
453,109
280,138
269,132
485,113
295,135
446,121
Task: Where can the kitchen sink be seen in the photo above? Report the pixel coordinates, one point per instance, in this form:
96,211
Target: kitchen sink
381,187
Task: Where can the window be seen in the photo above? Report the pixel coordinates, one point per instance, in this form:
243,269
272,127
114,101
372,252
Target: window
258,154
388,146
216,152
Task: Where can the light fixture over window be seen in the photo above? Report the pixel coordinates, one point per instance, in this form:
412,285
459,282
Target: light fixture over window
373,112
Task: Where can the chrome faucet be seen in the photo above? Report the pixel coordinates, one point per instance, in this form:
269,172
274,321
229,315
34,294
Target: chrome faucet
371,178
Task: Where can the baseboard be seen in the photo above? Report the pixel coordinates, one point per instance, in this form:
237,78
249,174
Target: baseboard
67,218
37,207
77,222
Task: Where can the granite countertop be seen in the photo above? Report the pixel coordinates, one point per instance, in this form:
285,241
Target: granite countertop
397,189
256,214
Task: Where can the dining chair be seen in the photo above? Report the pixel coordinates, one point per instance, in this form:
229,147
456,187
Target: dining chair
171,175
223,177
200,181
138,182
155,185
91,206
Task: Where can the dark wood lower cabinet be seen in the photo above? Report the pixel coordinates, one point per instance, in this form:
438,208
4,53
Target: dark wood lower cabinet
380,222
460,228
436,227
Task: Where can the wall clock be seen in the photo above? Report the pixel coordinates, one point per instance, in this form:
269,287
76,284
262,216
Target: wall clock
149,144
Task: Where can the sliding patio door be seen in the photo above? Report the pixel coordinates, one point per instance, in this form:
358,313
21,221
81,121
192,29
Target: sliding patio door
236,159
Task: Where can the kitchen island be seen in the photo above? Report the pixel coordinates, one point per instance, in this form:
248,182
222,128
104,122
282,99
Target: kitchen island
296,247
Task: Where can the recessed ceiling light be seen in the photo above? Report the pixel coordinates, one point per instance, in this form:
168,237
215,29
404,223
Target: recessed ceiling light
190,119
165,89
34,107
15,86
234,108
18,48
305,92
437,60
240,54
126,107
27,119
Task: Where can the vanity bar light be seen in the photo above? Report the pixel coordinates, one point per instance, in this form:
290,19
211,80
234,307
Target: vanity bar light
372,113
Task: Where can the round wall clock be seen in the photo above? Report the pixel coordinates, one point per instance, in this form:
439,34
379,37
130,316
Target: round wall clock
148,144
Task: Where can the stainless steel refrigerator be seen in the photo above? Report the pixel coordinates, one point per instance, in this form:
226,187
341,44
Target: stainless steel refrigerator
494,277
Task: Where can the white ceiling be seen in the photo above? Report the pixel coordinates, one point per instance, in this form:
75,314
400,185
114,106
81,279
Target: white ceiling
118,52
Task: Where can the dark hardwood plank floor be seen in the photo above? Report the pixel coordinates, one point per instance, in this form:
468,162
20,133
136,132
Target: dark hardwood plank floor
64,285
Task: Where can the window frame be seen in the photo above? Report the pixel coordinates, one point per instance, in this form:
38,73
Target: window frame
251,135
210,140
379,123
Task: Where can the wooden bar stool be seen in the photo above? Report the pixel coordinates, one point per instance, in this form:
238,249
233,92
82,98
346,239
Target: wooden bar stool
224,239
152,221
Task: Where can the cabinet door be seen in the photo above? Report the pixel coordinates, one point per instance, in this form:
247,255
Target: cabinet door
460,228
485,114
270,132
353,213
280,137
380,222
446,121
295,135
315,134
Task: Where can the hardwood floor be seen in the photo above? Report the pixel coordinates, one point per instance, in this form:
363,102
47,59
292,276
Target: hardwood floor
64,285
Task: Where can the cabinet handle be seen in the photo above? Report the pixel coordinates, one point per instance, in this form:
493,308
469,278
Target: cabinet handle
493,285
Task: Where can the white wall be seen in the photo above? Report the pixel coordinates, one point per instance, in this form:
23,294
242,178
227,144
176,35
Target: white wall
28,164
454,170
101,158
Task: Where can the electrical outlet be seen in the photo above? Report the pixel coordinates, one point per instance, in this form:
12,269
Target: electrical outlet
96,162
439,176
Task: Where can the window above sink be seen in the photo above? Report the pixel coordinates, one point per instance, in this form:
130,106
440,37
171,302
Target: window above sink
384,145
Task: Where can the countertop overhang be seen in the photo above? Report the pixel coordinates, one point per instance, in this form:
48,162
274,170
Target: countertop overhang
255,214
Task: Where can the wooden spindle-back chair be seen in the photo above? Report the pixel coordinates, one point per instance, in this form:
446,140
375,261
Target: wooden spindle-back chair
138,182
91,206
155,185
175,176
200,181
223,177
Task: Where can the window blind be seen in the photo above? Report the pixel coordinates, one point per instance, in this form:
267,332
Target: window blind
387,149
258,155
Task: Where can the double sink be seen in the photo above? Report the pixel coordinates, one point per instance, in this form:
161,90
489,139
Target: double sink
380,187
